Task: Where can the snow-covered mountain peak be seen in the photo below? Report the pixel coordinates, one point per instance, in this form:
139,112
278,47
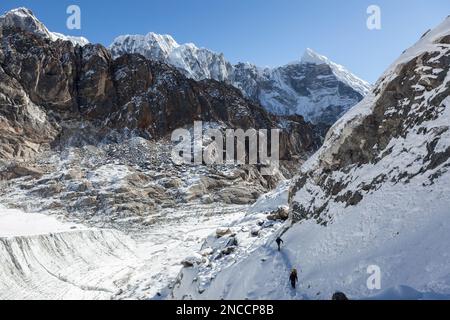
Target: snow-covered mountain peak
21,12
282,90
312,57
190,46
151,45
165,41
194,62
24,19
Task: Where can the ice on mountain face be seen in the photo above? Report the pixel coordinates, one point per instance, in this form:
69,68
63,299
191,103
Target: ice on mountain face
321,91
339,71
200,63
311,57
152,46
24,19
313,87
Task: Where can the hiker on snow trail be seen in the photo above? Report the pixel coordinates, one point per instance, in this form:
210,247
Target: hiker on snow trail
279,242
293,278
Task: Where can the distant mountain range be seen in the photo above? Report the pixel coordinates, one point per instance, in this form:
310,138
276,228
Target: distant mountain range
314,87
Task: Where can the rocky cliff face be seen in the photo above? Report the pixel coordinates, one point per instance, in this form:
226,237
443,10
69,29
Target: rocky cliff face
315,87
398,135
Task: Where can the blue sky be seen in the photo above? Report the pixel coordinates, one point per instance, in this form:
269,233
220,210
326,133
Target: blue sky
264,32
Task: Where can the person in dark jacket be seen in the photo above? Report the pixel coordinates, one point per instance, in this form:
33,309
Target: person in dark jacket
293,278
279,241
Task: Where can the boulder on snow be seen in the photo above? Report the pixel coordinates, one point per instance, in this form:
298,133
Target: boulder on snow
339,296
228,250
172,183
17,171
255,231
192,261
207,251
72,174
282,213
238,195
221,232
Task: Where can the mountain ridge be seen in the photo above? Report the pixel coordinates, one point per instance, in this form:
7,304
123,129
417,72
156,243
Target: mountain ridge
280,90
321,92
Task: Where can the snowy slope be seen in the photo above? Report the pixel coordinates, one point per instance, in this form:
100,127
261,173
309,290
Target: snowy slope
24,19
18,223
43,258
314,86
409,245
375,194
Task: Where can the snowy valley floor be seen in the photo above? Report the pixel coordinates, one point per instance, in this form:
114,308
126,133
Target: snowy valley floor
43,258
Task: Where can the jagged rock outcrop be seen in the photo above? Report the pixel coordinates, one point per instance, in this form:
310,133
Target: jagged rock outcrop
25,128
398,135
